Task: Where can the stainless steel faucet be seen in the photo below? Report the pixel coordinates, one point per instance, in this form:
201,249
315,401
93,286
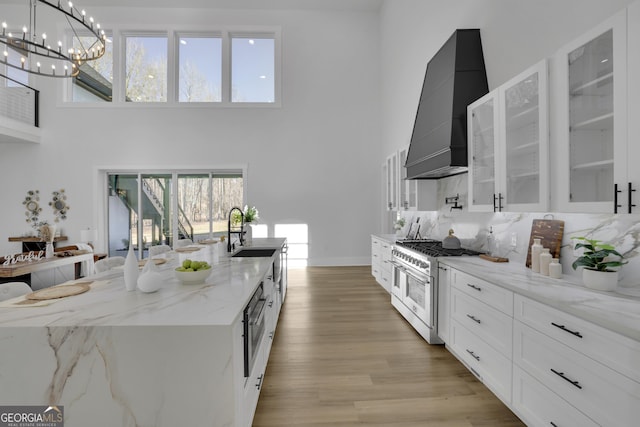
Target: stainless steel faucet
240,233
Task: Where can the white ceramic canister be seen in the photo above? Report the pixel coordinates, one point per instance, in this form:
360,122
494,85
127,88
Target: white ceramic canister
555,269
536,249
131,270
545,260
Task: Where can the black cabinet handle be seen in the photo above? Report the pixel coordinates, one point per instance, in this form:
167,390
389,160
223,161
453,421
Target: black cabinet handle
577,334
561,375
477,288
553,424
495,199
500,198
475,319
473,355
615,198
631,205
260,378
442,268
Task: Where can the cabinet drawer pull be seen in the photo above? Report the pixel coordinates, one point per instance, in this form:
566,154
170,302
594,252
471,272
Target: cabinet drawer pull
473,355
442,268
630,192
561,375
615,198
475,319
259,381
477,288
577,334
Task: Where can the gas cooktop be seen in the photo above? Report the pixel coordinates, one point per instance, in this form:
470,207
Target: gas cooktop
433,248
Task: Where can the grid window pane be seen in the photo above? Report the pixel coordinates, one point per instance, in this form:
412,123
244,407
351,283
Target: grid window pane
200,69
252,69
94,83
146,69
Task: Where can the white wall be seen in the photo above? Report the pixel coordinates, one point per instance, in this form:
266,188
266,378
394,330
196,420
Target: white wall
312,161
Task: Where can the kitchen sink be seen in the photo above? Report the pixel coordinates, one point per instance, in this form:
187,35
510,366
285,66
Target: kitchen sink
249,252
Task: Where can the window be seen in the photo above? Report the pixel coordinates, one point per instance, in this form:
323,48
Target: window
145,68
200,70
297,236
94,83
161,207
252,69
207,68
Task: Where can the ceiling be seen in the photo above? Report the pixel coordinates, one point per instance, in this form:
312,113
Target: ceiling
231,4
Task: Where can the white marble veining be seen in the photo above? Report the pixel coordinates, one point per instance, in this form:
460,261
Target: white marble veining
118,358
610,310
216,302
621,230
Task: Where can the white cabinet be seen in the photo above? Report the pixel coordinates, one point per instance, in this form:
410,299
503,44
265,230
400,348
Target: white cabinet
594,165
392,172
508,134
401,193
578,364
444,301
480,331
381,262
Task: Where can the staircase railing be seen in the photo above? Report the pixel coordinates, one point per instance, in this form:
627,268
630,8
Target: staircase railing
185,228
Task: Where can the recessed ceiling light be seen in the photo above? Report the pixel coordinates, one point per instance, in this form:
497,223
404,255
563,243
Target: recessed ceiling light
604,60
263,77
252,41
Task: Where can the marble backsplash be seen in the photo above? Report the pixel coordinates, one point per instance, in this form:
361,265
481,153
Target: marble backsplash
511,231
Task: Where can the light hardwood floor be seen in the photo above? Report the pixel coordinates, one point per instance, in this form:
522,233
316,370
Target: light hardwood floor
342,356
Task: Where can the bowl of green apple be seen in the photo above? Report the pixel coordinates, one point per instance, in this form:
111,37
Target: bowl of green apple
192,272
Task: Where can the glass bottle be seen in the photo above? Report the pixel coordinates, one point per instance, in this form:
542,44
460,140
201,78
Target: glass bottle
536,249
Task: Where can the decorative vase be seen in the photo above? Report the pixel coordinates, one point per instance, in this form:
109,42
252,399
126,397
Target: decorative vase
555,269
545,260
248,234
600,280
536,249
48,252
131,270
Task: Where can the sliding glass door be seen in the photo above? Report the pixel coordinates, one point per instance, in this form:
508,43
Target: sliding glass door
161,207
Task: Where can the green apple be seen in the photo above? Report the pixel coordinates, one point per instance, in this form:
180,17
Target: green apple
181,269
186,263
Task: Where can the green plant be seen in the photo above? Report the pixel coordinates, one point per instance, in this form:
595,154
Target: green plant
250,215
597,255
399,223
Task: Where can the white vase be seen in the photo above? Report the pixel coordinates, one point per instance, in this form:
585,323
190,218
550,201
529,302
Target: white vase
536,249
131,270
49,250
600,280
248,234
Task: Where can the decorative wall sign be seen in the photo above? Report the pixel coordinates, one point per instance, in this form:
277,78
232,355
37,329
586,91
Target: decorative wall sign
31,256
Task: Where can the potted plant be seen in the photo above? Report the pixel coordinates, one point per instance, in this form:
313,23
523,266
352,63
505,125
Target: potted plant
398,225
600,262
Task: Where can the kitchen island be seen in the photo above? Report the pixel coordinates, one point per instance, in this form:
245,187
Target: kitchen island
118,358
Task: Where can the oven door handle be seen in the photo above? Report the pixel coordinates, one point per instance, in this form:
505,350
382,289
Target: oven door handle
398,266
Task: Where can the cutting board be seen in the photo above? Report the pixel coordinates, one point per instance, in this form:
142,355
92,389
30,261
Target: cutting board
550,232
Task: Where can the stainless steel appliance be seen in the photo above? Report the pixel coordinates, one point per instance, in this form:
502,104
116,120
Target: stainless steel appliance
254,328
414,287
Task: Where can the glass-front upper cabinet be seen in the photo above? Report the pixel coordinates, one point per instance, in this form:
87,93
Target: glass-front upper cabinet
524,141
592,119
509,145
482,126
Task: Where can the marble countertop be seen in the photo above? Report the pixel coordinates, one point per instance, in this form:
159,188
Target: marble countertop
390,238
611,310
218,301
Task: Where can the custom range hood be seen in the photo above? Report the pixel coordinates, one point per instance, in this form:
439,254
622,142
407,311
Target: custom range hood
455,77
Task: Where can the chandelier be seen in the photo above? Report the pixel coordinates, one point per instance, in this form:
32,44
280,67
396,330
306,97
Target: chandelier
32,51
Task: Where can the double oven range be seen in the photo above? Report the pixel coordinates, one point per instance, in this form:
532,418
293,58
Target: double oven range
414,287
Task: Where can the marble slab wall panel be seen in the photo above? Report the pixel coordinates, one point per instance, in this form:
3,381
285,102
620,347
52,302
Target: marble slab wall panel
622,230
122,376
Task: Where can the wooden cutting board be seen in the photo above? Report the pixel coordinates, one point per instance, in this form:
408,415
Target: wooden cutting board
550,232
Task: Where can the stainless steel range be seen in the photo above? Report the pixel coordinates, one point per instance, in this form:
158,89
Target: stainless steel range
414,287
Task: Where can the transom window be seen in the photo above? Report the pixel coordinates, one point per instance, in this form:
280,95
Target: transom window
218,68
